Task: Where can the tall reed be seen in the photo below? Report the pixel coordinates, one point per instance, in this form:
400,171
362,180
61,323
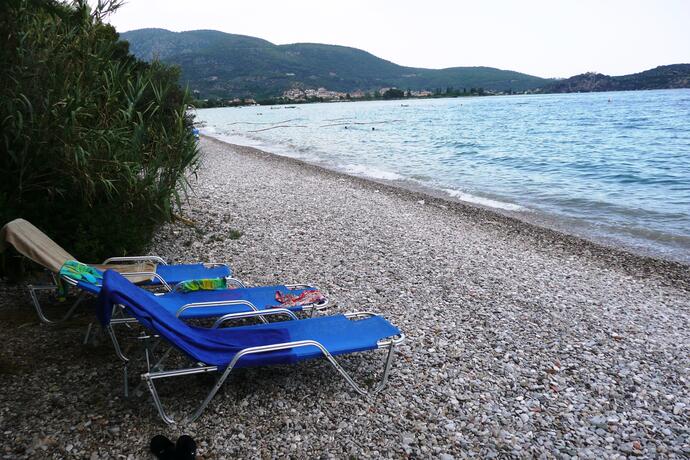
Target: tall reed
96,146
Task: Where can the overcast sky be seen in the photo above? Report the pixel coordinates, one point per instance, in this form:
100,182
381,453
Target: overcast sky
548,38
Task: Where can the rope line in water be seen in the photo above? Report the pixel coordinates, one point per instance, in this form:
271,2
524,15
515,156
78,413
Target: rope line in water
361,123
262,122
279,126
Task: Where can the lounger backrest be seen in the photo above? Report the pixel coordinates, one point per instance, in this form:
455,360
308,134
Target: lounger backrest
210,346
33,244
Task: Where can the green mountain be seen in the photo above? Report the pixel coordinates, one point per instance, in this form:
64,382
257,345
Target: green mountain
219,64
662,77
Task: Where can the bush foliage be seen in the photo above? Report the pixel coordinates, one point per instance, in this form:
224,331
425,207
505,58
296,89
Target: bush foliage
96,146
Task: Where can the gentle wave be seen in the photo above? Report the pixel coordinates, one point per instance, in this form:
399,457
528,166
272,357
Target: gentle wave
370,172
488,202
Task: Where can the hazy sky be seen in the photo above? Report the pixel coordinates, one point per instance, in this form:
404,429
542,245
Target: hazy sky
548,38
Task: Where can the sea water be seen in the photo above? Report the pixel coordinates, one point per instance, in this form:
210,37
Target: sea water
612,167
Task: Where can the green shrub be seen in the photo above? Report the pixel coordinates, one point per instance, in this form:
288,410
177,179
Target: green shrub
96,146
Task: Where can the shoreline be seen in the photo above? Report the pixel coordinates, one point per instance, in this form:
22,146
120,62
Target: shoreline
557,185
638,264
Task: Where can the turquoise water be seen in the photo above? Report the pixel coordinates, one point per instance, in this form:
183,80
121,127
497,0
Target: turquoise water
613,167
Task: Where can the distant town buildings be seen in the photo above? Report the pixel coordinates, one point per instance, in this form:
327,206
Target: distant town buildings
243,101
299,94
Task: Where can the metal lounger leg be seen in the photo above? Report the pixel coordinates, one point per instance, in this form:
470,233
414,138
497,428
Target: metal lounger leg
157,402
123,358
87,336
150,377
116,318
37,305
80,298
355,385
39,310
386,369
156,367
125,378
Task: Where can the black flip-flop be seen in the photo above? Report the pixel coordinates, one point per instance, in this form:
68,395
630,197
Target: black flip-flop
163,448
185,448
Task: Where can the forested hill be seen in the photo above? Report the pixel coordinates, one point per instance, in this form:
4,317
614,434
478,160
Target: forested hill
219,64
663,77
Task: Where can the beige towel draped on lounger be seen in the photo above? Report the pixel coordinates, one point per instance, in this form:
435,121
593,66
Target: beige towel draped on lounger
37,246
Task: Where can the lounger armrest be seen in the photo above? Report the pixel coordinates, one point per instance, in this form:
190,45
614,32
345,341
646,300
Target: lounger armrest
355,315
231,280
154,259
393,341
73,282
219,303
253,314
318,306
151,274
302,286
70,281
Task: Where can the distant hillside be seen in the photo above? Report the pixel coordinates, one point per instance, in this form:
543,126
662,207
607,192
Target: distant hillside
219,64
663,77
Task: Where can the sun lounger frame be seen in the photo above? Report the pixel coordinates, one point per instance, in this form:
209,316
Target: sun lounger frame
311,308
154,374
34,289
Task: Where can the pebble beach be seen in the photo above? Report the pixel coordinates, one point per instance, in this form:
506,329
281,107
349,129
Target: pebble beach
521,342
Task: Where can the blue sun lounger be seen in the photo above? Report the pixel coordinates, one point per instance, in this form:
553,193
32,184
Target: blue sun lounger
216,303
164,276
195,305
221,350
207,303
